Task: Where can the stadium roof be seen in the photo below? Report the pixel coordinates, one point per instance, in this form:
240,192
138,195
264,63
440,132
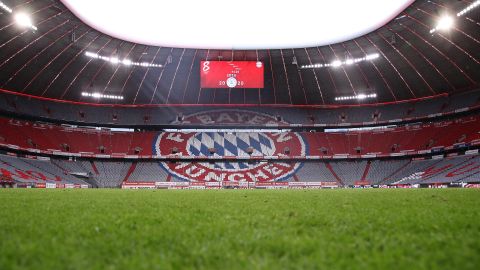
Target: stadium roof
48,57
249,24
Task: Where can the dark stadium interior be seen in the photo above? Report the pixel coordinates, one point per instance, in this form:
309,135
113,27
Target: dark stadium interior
338,130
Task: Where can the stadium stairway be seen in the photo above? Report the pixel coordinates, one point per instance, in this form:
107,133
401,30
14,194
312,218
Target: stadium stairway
330,168
386,179
365,172
60,167
94,167
130,171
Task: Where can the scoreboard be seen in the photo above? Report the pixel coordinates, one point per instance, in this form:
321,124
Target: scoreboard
231,74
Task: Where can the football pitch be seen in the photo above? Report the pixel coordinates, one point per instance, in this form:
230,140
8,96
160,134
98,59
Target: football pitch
240,229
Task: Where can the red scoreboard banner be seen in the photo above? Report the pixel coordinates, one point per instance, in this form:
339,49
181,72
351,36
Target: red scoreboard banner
233,74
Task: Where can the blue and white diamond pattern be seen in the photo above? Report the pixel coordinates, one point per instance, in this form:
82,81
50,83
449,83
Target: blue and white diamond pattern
230,144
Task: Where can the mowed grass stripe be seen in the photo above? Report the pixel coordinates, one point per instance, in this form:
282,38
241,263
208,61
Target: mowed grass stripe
240,229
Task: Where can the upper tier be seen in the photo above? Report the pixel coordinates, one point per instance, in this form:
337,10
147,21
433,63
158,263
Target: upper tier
91,142
208,116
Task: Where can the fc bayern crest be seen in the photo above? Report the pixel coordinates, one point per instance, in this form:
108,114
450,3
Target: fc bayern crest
230,145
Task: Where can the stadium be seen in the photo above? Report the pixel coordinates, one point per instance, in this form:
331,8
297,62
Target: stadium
253,135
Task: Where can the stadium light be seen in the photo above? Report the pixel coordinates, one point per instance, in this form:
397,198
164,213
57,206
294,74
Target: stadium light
357,97
372,56
125,62
337,63
24,20
114,60
5,7
349,62
444,24
101,96
468,8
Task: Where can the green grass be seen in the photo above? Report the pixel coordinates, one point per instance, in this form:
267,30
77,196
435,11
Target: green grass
232,229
